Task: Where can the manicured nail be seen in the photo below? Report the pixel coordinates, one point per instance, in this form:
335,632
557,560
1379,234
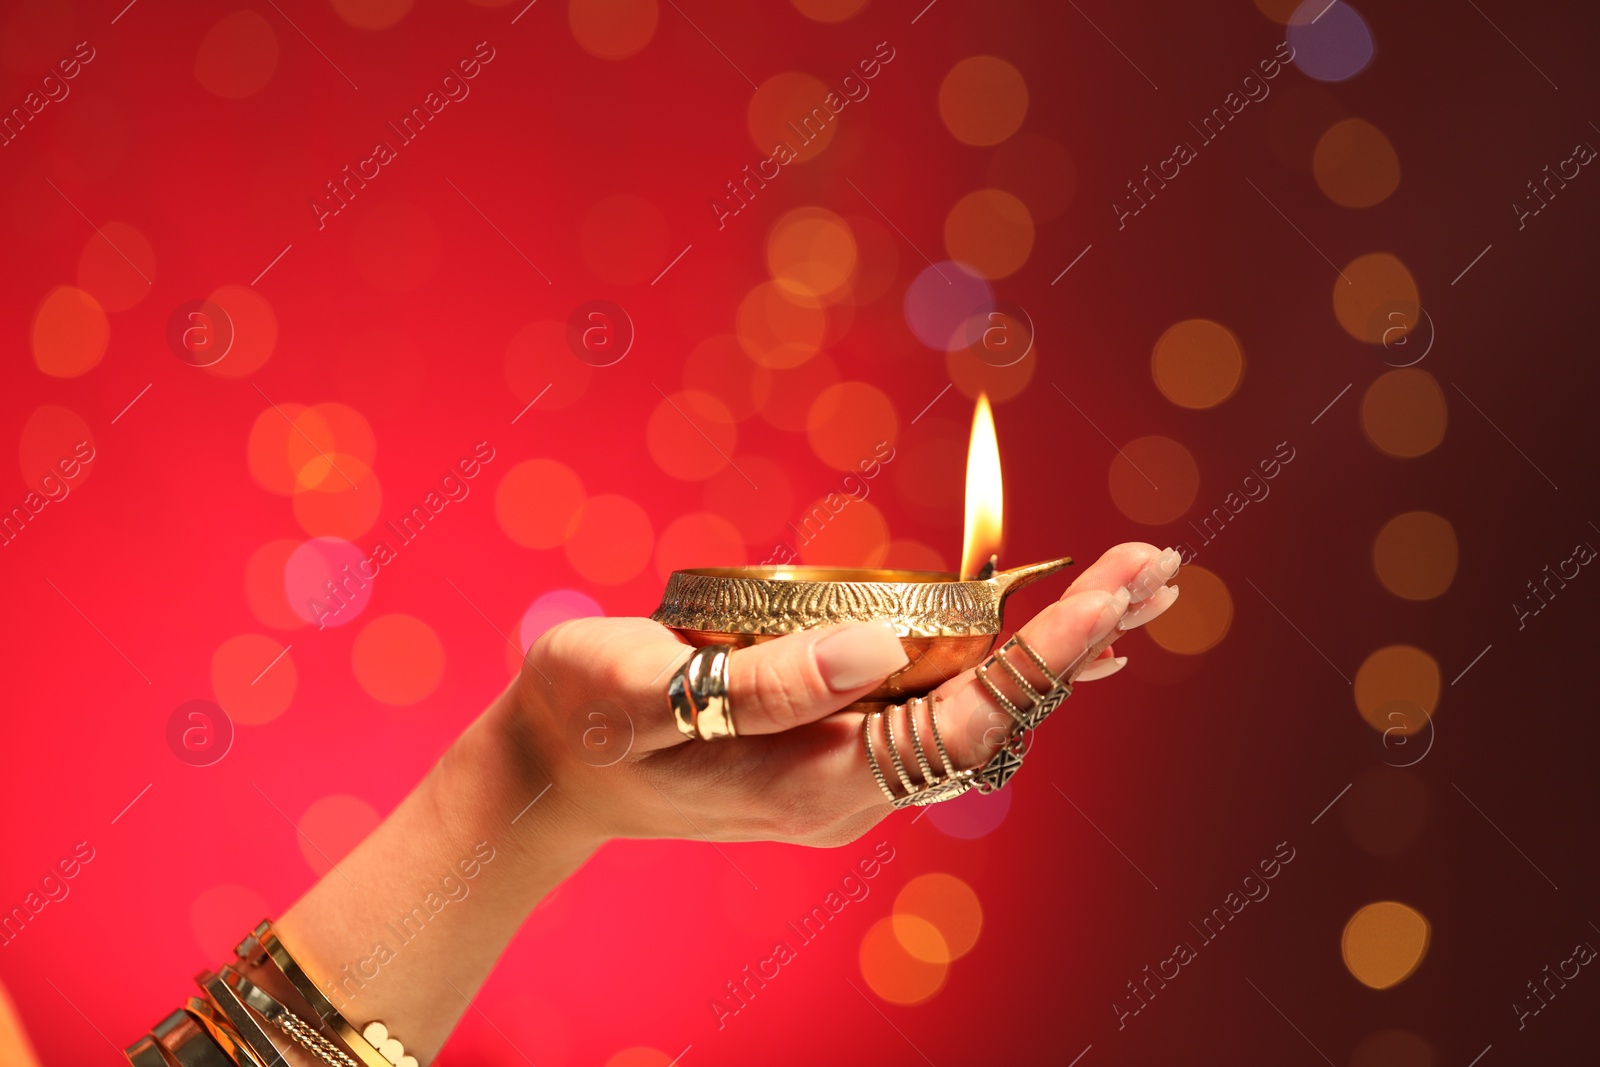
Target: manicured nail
1150,609
1153,575
859,653
1110,615
1102,668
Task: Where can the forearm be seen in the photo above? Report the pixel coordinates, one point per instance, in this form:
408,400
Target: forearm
408,926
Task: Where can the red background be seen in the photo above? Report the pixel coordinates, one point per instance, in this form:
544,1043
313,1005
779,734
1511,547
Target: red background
403,307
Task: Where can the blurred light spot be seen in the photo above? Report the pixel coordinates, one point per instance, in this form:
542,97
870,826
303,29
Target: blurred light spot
552,609
263,585
1299,114
991,231
540,366
983,100
537,503
1038,171
1404,413
613,540
812,253
971,815
779,328
346,504
1415,555
105,270
1392,1048
847,424
397,659
624,239
640,1056
49,447
984,366
691,434
906,555
699,539
1279,11
950,905
920,938
789,120
217,914
719,366
313,567
238,55
331,827
877,259
1154,480
322,432
1355,164
1385,811
1199,619
828,10
1395,672
246,681
268,448
613,29
892,972
1376,297
1384,943
942,300
1197,363
255,331
1331,41
839,531
70,332
759,510
396,246
786,395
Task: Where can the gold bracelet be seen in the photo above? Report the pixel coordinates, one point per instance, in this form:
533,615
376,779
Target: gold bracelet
389,1046
221,991
262,949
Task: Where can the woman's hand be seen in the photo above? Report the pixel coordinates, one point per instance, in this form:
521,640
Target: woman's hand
594,722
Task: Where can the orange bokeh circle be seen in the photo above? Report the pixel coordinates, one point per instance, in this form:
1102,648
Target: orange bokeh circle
780,328
397,659
1355,165
537,503
1199,619
117,266
1197,363
70,332
1404,413
848,422
983,100
253,678
613,29
1415,555
1374,297
699,539
613,540
990,231
1154,480
894,973
690,435
789,111
255,331
238,55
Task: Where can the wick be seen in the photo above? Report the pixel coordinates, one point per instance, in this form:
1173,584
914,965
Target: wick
986,571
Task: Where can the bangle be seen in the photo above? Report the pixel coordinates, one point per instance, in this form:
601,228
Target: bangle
224,998
178,1038
388,1046
262,950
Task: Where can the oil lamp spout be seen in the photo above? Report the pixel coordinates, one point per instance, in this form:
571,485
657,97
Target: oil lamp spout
1009,581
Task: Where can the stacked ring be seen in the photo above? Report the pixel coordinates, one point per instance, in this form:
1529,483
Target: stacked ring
698,695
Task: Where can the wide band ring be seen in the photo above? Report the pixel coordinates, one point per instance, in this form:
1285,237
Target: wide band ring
1039,704
698,695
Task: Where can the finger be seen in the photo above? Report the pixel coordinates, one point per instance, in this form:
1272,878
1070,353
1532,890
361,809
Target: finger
1133,563
801,677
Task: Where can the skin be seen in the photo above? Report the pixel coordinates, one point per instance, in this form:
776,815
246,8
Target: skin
796,773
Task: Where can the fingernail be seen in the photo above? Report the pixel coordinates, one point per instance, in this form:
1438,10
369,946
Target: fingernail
1102,668
1153,575
859,653
1110,615
1150,609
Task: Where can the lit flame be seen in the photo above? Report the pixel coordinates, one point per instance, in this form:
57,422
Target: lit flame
985,496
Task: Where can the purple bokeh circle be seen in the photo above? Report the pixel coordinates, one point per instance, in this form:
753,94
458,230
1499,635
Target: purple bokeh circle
1330,39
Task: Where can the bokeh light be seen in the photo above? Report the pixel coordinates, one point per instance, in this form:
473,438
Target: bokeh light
70,332
1330,39
1199,619
255,331
942,300
331,827
1396,673
991,231
1375,299
219,912
811,253
540,366
117,266
828,10
372,14
690,435
263,585
1415,555
54,443
848,422
550,610
971,815
699,539
786,110
1355,165
983,100
840,531
785,396
986,366
1404,413
346,504
252,678
238,55
905,555
397,659
1197,363
315,564
1393,1048
719,366
895,974
1154,480
1299,114
612,541
323,432
1384,943
778,327
947,903
640,1056
537,503
613,29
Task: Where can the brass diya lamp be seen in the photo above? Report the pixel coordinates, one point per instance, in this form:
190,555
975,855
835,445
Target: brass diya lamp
946,622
